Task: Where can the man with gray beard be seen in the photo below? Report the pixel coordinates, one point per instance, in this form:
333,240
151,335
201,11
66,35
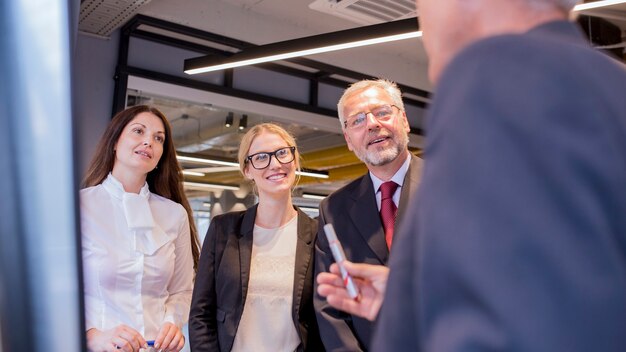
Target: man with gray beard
364,212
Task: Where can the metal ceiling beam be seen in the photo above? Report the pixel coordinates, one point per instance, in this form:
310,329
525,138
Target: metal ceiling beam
324,72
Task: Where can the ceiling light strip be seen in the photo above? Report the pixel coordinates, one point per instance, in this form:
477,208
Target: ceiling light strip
313,196
350,38
312,51
206,161
597,4
311,174
191,159
209,186
192,173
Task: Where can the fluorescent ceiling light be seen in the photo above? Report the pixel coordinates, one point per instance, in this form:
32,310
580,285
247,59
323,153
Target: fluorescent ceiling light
313,196
214,169
310,173
597,4
208,186
303,172
206,161
192,173
350,38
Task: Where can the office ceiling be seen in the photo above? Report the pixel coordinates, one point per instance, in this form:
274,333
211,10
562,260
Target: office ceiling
268,21
200,129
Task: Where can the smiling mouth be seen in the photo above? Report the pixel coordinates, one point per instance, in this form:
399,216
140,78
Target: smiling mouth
277,177
378,140
144,154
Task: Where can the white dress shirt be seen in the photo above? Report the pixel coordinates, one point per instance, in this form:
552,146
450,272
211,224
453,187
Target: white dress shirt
266,322
138,266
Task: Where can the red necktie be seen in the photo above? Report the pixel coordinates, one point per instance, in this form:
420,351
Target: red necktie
388,209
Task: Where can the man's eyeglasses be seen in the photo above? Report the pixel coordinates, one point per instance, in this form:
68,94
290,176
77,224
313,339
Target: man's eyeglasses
381,113
263,159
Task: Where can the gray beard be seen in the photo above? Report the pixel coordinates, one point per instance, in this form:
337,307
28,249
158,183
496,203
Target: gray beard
383,157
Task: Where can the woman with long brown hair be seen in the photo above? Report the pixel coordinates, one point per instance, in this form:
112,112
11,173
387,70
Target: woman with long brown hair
140,245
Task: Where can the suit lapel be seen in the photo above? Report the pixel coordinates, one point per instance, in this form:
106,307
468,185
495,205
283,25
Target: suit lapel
245,248
303,260
409,188
365,216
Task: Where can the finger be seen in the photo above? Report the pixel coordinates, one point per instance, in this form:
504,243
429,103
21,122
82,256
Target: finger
129,340
168,341
181,344
334,286
158,342
176,340
366,271
167,333
334,268
345,303
122,344
329,279
132,336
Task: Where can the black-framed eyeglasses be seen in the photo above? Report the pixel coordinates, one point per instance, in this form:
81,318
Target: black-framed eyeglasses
262,160
381,113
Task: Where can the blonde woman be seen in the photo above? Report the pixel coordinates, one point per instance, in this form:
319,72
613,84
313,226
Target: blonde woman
254,287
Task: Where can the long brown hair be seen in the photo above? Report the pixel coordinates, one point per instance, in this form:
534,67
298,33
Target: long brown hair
165,180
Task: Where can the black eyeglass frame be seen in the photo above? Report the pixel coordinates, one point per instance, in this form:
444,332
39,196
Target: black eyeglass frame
365,113
292,149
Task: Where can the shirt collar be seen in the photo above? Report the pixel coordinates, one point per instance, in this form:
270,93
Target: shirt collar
116,189
398,177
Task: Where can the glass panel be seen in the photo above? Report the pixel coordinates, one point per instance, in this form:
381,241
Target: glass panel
212,133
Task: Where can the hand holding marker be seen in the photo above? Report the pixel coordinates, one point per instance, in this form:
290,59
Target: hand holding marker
340,256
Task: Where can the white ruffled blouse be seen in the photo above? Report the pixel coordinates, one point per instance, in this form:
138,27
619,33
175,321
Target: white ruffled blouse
138,265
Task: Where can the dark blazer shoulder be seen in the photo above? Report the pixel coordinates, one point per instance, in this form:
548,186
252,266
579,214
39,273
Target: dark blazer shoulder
346,192
307,220
230,217
237,222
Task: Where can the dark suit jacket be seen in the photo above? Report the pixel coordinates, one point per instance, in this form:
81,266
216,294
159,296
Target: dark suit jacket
353,212
517,240
222,283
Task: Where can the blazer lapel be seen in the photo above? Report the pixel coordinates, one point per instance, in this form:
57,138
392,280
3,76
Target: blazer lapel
245,248
409,188
306,235
365,216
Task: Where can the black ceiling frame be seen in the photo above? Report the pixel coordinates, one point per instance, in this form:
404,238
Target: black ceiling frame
407,25
322,72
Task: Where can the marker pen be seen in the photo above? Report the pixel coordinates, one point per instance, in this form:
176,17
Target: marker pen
340,256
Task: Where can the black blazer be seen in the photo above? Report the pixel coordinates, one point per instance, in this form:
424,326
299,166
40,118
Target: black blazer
353,212
222,283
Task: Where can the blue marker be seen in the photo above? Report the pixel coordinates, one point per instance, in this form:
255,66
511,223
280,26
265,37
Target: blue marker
150,343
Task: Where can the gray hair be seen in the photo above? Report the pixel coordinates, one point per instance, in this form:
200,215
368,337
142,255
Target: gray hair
388,86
